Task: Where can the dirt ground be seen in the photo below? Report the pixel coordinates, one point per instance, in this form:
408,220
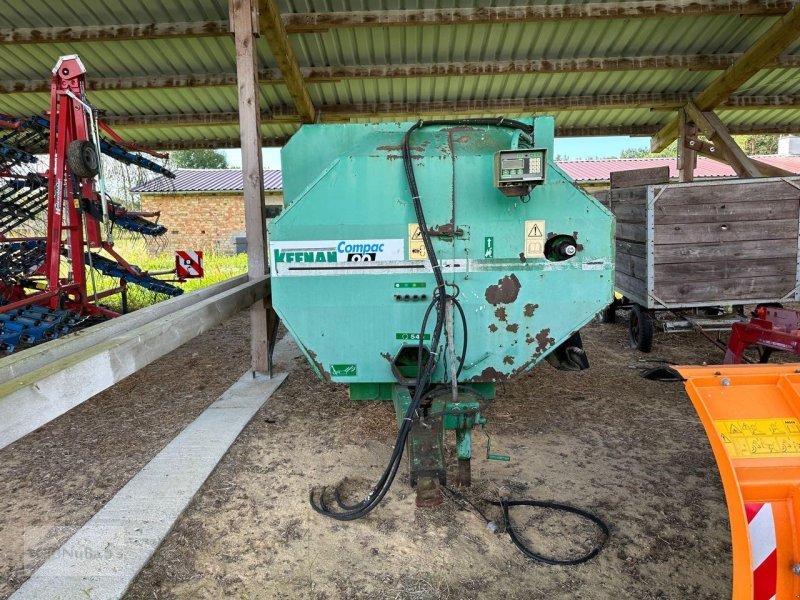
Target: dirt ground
53,480
631,450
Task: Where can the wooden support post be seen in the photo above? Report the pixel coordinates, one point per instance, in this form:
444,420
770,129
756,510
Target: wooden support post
766,49
717,133
244,22
687,156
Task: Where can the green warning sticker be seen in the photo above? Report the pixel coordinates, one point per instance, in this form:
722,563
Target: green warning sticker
344,370
412,284
413,337
488,247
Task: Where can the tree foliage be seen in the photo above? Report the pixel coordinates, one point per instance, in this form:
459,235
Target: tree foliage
757,144
751,144
199,159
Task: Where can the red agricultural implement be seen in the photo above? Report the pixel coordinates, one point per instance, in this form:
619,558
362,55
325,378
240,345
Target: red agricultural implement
771,328
43,278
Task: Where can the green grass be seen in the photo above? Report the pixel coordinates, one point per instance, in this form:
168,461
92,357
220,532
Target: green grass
217,267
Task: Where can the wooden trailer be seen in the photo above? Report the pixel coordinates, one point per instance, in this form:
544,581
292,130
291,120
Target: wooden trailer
711,244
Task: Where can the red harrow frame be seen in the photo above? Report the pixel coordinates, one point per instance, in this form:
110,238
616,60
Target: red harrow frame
38,300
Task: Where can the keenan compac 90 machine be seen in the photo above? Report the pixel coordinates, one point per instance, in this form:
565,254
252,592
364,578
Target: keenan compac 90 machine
424,262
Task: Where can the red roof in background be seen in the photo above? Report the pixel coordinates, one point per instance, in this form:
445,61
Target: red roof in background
600,170
207,180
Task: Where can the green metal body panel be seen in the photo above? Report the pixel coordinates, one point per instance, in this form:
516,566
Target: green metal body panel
346,194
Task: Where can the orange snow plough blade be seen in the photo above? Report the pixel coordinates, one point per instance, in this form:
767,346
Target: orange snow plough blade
751,414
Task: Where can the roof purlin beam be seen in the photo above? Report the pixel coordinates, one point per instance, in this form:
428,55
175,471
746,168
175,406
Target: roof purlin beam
603,130
621,9
315,75
776,39
111,33
271,27
334,113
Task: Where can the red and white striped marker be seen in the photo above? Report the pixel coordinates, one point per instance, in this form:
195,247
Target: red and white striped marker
763,549
189,263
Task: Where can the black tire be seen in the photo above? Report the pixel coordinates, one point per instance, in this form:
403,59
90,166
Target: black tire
609,314
82,159
640,329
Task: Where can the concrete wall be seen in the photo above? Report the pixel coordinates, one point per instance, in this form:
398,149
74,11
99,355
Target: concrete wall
202,221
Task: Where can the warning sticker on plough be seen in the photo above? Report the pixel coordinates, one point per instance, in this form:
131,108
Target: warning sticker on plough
760,438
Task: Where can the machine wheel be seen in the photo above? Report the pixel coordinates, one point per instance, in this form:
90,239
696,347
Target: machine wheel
82,159
640,329
609,313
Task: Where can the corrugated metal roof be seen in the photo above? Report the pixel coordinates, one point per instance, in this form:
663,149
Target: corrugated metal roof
599,171
214,55
207,180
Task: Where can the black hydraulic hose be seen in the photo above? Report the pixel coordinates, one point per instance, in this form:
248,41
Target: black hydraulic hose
439,301
505,503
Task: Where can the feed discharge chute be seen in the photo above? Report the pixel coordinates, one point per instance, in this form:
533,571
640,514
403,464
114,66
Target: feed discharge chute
424,262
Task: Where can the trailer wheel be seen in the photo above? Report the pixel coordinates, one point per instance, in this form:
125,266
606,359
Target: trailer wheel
82,159
609,314
640,329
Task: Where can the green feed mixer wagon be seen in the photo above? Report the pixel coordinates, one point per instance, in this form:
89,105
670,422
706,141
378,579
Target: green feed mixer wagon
424,262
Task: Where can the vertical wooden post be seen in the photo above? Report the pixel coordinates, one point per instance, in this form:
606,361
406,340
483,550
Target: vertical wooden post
687,158
244,23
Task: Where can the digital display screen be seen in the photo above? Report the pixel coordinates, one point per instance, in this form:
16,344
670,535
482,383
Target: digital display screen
517,163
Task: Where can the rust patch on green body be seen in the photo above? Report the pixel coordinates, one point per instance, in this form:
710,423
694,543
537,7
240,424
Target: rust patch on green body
512,327
399,148
500,313
530,309
509,360
323,374
544,340
505,291
492,327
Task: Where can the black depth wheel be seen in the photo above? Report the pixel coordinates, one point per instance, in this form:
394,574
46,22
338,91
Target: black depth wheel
82,159
640,329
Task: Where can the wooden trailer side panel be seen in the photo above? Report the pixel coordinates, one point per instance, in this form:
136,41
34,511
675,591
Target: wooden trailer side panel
629,206
725,243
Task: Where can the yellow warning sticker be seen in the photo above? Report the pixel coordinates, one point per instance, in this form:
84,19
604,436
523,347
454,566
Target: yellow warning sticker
534,239
416,246
760,438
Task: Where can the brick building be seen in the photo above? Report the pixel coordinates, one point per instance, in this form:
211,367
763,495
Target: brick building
203,209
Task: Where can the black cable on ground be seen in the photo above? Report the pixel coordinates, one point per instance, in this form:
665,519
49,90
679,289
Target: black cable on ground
505,504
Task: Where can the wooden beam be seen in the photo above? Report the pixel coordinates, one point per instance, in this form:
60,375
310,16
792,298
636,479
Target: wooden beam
27,360
776,39
632,9
212,143
110,33
334,113
687,156
706,62
244,22
316,75
715,131
273,30
588,131
37,397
